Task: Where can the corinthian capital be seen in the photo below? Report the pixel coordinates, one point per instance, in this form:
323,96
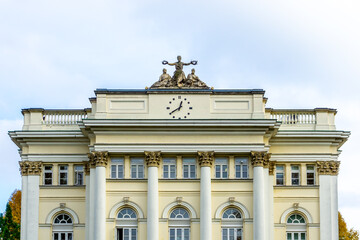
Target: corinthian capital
206,159
98,159
328,167
152,159
271,167
87,167
30,168
260,159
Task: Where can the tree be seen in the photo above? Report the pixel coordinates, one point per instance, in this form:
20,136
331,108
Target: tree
10,230
344,233
15,204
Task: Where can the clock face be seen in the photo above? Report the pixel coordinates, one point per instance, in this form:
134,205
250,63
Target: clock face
179,107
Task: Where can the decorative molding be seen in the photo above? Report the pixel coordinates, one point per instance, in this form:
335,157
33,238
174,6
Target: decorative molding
173,205
206,159
115,209
272,167
238,205
184,148
56,211
30,168
98,159
260,159
87,167
92,162
291,210
153,159
328,167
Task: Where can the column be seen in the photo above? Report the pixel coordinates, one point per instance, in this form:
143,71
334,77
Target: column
32,171
91,214
153,161
328,171
206,160
259,160
101,161
87,200
271,199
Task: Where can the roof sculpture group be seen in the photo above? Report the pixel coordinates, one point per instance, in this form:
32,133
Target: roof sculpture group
179,80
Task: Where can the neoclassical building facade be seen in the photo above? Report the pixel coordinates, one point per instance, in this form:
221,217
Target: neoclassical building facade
170,163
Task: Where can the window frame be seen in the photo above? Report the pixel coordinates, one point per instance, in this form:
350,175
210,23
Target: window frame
238,163
66,172
47,171
313,171
297,171
76,175
170,164
189,162
223,168
278,171
135,162
118,163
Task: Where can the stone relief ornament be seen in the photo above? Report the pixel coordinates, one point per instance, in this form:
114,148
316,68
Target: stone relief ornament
260,159
153,159
206,159
328,167
179,80
98,159
30,168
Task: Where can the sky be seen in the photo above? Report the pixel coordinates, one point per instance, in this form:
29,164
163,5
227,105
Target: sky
304,54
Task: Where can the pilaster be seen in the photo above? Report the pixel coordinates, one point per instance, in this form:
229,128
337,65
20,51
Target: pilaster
30,172
328,188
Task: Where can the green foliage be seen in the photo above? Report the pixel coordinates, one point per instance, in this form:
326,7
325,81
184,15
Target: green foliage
9,229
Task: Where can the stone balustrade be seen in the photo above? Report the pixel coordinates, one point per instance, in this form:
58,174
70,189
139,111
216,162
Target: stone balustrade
312,119
63,117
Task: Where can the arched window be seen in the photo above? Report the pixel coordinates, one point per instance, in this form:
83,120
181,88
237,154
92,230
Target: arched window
126,224
231,224
296,227
179,224
63,227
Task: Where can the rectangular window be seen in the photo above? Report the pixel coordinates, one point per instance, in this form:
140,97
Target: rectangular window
295,175
79,175
126,234
231,233
179,234
310,175
189,168
63,174
280,175
48,175
117,168
221,168
137,168
241,168
169,168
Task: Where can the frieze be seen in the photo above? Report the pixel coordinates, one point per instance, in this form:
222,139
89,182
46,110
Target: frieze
260,159
153,159
206,159
30,168
328,167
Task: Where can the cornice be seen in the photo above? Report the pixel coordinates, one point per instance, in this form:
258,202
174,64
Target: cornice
176,148
315,137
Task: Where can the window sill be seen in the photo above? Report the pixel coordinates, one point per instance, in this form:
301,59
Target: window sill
61,186
297,187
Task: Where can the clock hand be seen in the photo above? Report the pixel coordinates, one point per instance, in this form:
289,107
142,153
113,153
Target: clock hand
180,105
174,110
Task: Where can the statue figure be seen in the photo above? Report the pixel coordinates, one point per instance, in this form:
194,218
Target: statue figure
179,75
194,81
164,80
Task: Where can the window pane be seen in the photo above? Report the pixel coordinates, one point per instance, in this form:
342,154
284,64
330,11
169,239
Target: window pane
192,171
172,171
238,171
133,171
289,236
120,171
245,171
217,171
113,171
186,171
141,171
224,171
303,236
70,236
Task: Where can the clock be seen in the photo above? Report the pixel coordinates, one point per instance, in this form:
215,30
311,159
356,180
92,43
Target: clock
179,107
